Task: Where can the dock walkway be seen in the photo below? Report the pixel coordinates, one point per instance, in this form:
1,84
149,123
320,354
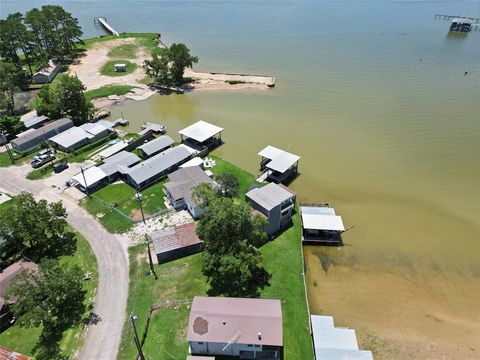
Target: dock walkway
450,17
107,26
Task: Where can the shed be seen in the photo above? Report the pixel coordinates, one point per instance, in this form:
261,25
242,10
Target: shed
335,343
278,165
47,73
196,161
202,135
120,67
251,328
157,166
155,146
176,242
34,138
320,224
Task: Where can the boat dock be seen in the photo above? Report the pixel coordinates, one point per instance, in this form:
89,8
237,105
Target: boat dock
121,122
450,17
155,128
106,25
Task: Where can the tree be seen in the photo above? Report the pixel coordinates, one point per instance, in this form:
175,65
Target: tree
230,233
11,124
168,64
37,228
229,185
65,97
52,296
12,79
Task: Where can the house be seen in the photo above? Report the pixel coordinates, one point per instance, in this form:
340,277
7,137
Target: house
112,169
47,73
246,328
31,140
6,278
320,224
335,343
461,24
79,136
7,354
201,136
34,122
156,167
155,146
176,242
275,202
278,165
179,189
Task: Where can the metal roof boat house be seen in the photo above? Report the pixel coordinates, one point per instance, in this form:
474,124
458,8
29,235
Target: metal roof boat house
176,242
179,189
34,138
246,328
201,136
276,203
278,165
320,224
461,24
334,343
155,146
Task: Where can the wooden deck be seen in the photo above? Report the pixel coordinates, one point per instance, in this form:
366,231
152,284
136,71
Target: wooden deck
107,26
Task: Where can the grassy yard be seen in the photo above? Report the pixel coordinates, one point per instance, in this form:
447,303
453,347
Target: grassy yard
245,178
108,68
182,279
24,340
123,197
125,51
19,159
143,39
107,91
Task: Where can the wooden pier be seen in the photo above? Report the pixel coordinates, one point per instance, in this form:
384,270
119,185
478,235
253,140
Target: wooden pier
106,25
450,17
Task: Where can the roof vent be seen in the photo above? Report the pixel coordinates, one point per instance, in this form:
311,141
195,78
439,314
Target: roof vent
259,336
224,323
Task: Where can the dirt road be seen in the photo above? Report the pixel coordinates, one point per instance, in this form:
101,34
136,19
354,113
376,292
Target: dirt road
103,338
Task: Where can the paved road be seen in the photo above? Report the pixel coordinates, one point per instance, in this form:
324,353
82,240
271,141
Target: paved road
102,340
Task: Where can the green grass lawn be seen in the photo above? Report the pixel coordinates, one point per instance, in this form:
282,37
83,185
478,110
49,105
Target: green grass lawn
5,160
182,279
123,196
108,68
125,51
24,340
245,178
41,173
107,91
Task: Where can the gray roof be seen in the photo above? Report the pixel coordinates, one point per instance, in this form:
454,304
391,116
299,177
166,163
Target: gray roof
156,145
183,180
119,162
42,131
270,195
94,128
201,131
281,160
158,164
35,121
71,137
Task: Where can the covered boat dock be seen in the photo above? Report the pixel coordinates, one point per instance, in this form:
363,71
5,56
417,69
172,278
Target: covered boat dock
321,225
202,136
277,165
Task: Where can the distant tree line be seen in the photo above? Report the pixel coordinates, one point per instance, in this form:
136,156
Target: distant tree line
42,34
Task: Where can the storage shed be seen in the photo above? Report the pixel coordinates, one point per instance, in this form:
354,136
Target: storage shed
176,242
47,73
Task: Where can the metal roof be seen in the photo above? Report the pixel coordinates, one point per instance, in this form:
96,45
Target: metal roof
122,159
35,121
236,320
323,222
7,354
184,179
174,238
43,131
156,145
113,149
94,128
281,160
201,131
317,210
158,164
462,21
71,137
92,175
335,343
270,195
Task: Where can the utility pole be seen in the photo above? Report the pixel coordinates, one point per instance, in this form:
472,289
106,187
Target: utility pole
135,336
150,261
138,195
85,181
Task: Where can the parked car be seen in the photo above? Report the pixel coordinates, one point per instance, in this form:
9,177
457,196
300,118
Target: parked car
42,160
44,152
59,167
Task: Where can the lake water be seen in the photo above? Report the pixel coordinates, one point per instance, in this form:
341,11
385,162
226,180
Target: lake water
372,95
